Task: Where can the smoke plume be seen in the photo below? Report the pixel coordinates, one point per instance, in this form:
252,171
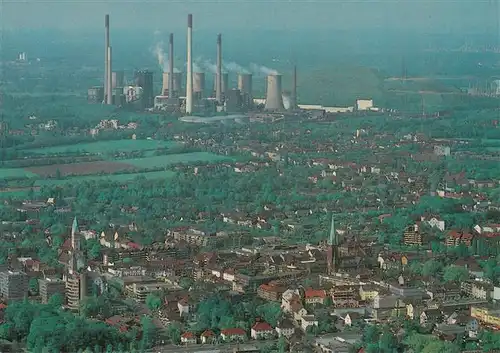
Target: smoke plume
263,70
234,67
210,66
162,57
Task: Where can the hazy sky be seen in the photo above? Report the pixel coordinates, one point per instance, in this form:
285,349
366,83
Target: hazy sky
423,15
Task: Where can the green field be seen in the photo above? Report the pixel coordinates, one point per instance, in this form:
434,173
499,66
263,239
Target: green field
105,146
15,173
121,178
165,161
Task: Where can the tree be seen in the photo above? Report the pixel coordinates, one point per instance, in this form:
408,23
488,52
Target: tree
33,286
431,268
174,333
153,302
186,282
56,300
148,333
454,273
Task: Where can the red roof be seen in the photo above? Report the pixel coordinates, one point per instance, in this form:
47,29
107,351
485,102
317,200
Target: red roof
262,327
187,335
208,333
315,293
233,332
134,245
3,305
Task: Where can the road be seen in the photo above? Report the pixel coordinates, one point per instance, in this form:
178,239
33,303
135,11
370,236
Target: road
209,348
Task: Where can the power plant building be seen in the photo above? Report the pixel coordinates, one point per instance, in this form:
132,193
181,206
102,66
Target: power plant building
95,95
233,100
245,87
144,79
198,85
274,94
117,79
177,84
224,83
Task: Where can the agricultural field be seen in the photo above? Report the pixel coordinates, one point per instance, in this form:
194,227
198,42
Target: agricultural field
16,173
99,147
165,161
120,178
85,168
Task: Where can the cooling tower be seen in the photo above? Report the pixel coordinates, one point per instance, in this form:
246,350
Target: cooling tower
224,84
198,84
293,101
245,87
170,78
274,98
109,93
117,79
106,45
218,75
177,84
189,71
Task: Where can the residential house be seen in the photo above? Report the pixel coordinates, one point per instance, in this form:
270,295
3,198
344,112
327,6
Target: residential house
308,320
233,334
412,235
430,316
298,311
386,306
288,298
207,337
482,290
313,296
434,222
188,338
458,237
367,292
270,292
351,317
285,328
261,330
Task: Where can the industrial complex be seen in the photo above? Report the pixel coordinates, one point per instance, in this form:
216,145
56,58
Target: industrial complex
192,99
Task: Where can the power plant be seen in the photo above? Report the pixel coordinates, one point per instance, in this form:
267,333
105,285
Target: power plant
173,97
176,84
189,67
274,93
218,74
198,85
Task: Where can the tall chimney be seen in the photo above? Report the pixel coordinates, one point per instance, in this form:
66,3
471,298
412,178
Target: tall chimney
171,66
106,45
218,78
274,96
109,93
189,70
293,103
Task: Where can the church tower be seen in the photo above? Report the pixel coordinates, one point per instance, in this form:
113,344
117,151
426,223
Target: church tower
332,256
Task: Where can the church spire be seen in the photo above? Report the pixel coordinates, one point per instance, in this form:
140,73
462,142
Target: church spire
333,240
75,237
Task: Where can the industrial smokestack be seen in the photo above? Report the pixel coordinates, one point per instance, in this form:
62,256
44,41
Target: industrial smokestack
218,78
293,101
224,84
274,96
198,85
106,45
109,93
189,71
171,66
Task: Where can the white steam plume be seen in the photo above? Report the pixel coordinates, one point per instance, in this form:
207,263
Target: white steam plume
263,70
162,57
210,66
234,67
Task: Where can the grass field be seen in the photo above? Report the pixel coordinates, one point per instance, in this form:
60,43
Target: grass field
121,178
105,147
16,173
165,161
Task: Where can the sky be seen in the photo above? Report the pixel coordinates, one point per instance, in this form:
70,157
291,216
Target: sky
434,16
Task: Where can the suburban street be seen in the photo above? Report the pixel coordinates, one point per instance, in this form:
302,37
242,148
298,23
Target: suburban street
220,348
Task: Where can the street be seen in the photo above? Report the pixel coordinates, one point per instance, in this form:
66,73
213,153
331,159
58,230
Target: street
210,348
